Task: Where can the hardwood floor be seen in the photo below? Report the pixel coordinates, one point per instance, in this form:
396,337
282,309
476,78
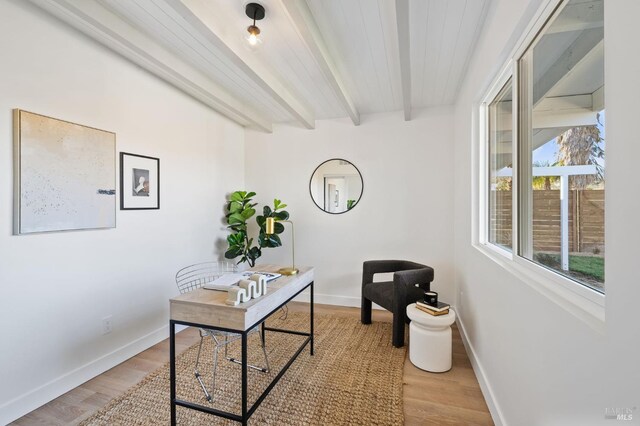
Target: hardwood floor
450,398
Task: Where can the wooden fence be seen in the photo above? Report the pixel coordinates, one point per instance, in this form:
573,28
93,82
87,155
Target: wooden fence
586,220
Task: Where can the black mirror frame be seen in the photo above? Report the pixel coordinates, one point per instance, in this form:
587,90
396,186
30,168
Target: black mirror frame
311,180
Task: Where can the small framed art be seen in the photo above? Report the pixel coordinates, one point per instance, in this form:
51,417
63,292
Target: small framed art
139,182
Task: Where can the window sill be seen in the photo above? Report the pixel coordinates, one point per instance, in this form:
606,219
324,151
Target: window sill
583,303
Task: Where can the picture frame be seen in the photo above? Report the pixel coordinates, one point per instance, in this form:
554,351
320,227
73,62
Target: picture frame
64,175
139,182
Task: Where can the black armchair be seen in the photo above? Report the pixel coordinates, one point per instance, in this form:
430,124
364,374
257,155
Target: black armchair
394,295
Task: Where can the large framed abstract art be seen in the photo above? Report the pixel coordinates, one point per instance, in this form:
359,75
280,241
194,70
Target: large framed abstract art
64,175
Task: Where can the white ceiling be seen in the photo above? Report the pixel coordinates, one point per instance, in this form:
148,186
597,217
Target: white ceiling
320,58
363,39
442,40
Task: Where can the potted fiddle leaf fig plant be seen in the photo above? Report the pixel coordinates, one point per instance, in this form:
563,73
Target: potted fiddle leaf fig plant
239,210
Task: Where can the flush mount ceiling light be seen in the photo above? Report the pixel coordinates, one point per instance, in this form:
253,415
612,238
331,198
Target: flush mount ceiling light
254,11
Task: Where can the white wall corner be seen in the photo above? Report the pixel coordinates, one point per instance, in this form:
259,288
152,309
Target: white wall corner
485,386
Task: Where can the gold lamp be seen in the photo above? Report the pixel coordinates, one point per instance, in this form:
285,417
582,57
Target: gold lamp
270,229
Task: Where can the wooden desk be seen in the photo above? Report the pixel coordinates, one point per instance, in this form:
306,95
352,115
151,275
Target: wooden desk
207,309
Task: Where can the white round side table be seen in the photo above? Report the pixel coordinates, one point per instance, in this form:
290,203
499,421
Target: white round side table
430,339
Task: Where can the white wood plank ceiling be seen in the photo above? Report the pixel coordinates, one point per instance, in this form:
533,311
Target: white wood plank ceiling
442,40
320,58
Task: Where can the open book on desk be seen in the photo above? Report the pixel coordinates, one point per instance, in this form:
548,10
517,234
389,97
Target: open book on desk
224,282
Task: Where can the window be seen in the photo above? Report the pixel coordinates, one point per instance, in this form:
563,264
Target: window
500,155
557,182
561,153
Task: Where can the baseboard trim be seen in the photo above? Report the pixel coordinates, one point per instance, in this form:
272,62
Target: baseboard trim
485,386
329,299
29,401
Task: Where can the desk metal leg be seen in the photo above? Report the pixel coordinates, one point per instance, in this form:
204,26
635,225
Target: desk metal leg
244,379
247,411
311,318
172,369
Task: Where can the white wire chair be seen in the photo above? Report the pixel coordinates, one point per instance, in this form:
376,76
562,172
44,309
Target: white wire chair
196,276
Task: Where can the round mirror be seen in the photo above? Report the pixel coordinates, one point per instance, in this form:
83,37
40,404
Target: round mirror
336,186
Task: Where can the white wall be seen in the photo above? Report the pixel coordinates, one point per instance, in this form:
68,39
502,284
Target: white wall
404,212
541,364
55,288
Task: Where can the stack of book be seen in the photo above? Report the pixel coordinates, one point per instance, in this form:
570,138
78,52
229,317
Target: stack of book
441,309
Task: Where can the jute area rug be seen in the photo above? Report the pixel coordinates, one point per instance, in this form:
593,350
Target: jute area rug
354,378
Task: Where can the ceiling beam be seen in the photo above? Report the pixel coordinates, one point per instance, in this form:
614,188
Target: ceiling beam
590,43
553,119
579,17
597,99
107,28
199,15
576,103
302,19
402,25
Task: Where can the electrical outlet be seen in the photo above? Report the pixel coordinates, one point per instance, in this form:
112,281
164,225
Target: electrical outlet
106,324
